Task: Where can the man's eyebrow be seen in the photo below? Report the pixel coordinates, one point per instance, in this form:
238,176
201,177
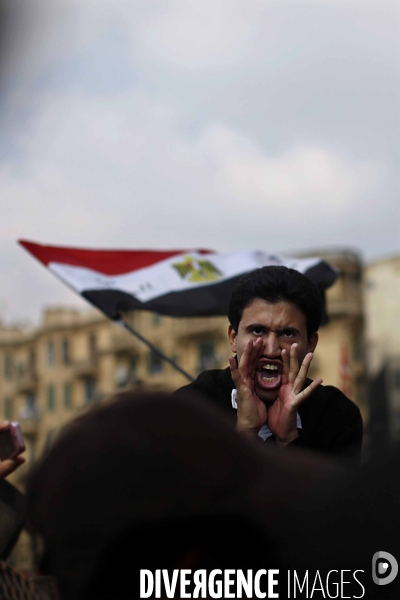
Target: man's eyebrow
262,327
256,326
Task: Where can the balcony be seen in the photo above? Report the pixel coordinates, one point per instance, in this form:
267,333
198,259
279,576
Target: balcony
86,368
125,343
345,298
27,381
196,327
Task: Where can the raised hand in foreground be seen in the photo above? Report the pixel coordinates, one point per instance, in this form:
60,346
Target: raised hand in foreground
9,465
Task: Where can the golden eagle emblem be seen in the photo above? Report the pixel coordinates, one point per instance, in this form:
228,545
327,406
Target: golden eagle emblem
197,271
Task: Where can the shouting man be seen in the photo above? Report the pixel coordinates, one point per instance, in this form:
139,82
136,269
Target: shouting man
274,316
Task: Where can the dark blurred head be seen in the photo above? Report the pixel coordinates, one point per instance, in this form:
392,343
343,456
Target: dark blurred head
159,482
277,284
146,481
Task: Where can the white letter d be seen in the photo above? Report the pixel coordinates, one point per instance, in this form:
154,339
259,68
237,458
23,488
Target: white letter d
146,574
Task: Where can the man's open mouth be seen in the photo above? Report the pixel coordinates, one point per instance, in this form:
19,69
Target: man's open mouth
269,375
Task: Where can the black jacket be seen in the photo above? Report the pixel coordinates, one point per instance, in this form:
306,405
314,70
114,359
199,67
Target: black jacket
331,422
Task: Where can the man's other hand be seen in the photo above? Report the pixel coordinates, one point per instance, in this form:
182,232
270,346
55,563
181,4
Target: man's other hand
282,414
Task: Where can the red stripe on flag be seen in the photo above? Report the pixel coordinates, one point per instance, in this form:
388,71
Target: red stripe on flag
108,262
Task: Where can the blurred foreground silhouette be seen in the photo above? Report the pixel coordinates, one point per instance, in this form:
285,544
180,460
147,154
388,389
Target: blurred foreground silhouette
159,482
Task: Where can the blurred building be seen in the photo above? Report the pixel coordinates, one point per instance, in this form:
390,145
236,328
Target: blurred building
340,357
73,360
382,305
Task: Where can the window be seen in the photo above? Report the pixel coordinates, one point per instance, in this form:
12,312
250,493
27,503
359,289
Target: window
92,347
156,319
90,389
133,365
155,363
68,396
21,368
30,410
51,398
32,359
121,374
51,355
125,372
8,409
207,357
65,351
8,366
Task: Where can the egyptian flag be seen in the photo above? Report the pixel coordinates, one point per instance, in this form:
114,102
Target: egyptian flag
179,283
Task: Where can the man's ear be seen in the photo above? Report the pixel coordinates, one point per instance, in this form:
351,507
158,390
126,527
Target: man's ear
312,342
232,338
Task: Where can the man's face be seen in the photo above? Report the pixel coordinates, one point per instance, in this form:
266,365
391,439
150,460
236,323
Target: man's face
280,325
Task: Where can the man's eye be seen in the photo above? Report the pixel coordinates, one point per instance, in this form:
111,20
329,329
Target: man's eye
287,333
257,331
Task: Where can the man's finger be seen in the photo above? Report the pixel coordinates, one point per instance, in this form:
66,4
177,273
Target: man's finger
249,359
293,364
234,370
245,359
232,363
258,348
302,374
285,368
239,376
4,425
307,392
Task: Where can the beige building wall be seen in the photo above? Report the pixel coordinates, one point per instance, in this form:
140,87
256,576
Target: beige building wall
382,306
340,357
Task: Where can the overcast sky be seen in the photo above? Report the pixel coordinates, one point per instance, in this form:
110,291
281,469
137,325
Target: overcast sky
226,124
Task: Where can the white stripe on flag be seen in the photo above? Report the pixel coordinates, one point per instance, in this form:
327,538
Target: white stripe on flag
181,272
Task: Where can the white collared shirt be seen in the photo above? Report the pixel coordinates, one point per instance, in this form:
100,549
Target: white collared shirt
265,431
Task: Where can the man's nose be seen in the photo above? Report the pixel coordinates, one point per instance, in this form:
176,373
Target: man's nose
271,345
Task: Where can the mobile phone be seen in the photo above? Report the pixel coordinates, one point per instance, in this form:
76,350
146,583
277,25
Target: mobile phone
11,441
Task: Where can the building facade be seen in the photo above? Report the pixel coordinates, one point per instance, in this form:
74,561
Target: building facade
382,306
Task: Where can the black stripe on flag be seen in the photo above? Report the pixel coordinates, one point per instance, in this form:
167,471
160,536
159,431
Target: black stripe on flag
204,301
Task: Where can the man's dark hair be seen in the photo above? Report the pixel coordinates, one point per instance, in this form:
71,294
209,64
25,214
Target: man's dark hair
277,284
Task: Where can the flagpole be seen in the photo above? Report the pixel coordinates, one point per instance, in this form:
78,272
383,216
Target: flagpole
157,351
